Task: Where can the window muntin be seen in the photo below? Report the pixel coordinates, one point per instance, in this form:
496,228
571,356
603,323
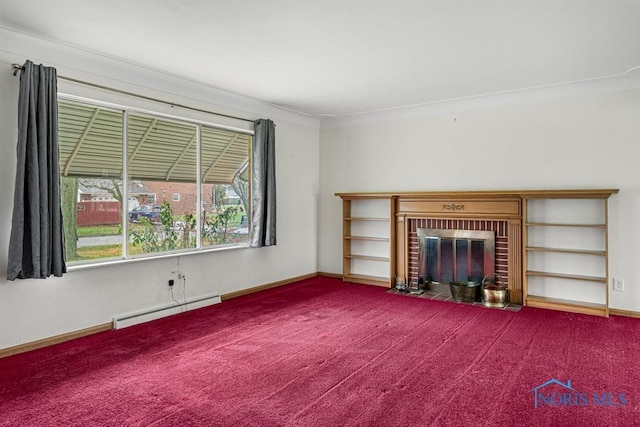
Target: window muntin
162,160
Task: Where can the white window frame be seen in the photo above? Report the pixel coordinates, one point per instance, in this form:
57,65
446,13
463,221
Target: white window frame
126,258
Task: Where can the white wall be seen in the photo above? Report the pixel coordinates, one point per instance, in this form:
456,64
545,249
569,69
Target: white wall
579,142
35,309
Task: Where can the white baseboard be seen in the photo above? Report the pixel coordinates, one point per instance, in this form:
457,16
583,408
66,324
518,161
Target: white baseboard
125,320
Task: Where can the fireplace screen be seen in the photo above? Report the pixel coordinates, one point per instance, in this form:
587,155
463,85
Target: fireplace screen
455,255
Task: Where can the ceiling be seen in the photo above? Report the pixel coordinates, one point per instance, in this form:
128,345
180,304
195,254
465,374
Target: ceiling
335,58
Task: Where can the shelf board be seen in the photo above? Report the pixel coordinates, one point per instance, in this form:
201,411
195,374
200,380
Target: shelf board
367,280
551,224
567,276
373,239
368,258
596,193
366,218
567,251
567,305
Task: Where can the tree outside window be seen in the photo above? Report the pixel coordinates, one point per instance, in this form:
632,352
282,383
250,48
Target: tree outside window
163,191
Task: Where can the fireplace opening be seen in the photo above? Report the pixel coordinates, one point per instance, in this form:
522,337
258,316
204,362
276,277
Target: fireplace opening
447,256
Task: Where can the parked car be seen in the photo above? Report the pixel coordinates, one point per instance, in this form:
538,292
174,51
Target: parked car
244,226
145,211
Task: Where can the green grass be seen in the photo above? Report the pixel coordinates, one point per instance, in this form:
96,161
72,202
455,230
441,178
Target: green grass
88,253
115,251
97,252
104,251
99,230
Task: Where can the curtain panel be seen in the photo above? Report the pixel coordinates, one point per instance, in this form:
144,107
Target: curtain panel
36,245
264,184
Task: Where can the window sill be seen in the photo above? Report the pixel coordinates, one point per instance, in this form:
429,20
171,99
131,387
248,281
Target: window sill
106,263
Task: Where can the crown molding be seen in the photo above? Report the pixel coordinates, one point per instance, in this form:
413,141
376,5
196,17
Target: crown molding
88,65
83,64
629,80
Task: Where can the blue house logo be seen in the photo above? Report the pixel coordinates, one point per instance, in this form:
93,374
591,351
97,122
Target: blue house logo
542,398
555,393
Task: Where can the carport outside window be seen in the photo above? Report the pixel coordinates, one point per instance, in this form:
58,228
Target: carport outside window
164,156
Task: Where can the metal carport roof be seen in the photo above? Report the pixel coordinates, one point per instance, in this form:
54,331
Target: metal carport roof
159,149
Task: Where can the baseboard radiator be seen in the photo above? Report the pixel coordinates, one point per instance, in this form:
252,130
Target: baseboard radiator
125,320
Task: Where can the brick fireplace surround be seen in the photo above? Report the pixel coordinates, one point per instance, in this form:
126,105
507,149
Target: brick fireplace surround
500,214
499,227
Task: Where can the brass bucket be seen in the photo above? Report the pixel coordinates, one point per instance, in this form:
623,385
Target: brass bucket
494,294
465,291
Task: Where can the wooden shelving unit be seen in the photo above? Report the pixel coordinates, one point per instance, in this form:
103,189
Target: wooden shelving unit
542,224
368,240
532,273
572,281
566,305
565,269
364,218
371,239
368,257
568,251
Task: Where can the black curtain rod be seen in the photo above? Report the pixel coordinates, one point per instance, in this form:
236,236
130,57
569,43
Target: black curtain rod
18,67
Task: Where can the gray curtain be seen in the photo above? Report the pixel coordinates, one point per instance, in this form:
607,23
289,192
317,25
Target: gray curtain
263,230
36,246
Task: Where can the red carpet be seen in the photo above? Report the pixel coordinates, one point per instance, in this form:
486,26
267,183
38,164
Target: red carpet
324,353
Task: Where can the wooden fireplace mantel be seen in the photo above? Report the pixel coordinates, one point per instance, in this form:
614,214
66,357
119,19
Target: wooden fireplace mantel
501,205
490,194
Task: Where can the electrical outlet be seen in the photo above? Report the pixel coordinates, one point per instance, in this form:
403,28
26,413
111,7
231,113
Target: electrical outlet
618,284
171,282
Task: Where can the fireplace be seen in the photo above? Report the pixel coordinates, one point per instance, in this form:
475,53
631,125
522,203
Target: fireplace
469,250
450,255
502,212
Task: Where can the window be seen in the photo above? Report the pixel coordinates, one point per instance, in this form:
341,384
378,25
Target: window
108,155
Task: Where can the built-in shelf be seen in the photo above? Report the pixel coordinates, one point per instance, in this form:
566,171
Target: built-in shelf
364,218
548,231
549,224
367,280
567,251
368,257
372,239
567,276
568,234
368,236
567,305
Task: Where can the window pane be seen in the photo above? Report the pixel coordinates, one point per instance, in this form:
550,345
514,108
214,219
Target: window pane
225,189
162,163
161,212
90,141
90,169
